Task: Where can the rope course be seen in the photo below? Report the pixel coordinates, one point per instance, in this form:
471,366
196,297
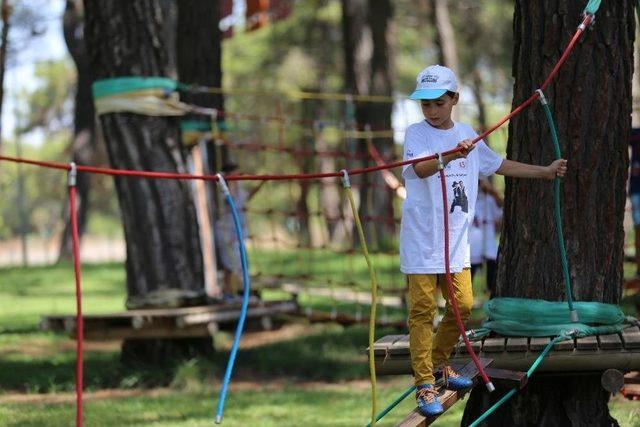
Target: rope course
300,206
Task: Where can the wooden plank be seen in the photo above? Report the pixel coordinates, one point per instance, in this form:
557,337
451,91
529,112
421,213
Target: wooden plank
381,346
610,342
446,397
400,346
475,345
493,345
565,345
229,315
506,378
108,334
631,337
414,419
158,312
517,344
539,343
471,371
587,343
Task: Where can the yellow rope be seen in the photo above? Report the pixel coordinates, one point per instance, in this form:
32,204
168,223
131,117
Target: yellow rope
296,94
374,293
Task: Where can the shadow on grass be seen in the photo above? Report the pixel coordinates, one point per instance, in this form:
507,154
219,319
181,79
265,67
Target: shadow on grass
332,354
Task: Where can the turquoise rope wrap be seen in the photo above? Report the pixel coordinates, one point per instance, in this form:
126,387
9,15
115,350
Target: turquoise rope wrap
195,126
118,85
592,7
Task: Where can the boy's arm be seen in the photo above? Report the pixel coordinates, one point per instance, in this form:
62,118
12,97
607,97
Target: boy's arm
427,168
514,169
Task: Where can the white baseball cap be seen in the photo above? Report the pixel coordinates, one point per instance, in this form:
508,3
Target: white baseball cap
433,82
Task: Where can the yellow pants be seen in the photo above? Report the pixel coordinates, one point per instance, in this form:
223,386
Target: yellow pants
427,351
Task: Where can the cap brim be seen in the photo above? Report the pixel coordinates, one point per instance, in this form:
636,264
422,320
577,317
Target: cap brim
427,94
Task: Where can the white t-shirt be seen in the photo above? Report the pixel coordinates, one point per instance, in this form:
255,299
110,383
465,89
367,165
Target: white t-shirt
422,225
482,236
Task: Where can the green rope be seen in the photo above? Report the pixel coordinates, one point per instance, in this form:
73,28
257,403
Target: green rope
118,85
592,7
395,403
557,210
513,391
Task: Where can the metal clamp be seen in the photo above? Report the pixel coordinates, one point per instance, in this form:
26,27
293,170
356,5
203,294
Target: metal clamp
223,184
592,21
346,183
72,175
543,99
440,161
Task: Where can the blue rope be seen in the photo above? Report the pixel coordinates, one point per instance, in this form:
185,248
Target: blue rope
245,299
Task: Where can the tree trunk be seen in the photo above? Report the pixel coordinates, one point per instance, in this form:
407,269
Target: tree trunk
164,263
591,99
367,33
445,36
4,39
84,143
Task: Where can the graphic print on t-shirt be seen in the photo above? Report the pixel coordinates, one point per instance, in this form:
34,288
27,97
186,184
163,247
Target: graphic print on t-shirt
459,197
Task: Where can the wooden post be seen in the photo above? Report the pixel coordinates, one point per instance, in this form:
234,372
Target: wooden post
206,230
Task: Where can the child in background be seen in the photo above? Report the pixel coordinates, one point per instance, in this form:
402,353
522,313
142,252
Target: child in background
482,235
422,231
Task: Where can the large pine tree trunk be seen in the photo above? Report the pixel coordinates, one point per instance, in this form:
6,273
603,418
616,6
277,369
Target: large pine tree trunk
367,33
161,230
591,100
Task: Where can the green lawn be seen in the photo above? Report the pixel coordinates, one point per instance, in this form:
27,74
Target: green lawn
315,378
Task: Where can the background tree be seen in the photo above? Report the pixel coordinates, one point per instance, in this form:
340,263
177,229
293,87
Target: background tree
164,262
367,39
84,145
591,99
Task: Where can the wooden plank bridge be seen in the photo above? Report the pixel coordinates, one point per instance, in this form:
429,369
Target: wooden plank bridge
594,353
181,322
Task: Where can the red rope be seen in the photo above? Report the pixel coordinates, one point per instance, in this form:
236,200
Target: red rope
452,296
79,320
166,175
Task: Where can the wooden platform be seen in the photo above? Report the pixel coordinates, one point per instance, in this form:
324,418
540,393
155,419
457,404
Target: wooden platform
170,322
447,397
596,353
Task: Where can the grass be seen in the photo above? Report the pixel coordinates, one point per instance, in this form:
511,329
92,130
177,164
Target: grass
315,378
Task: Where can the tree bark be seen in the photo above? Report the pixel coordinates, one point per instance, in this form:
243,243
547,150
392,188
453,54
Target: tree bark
367,41
164,262
591,100
4,39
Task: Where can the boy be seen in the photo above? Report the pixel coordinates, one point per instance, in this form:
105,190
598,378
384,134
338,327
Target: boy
422,231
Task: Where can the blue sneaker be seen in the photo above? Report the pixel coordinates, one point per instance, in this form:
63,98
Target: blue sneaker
451,379
427,399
